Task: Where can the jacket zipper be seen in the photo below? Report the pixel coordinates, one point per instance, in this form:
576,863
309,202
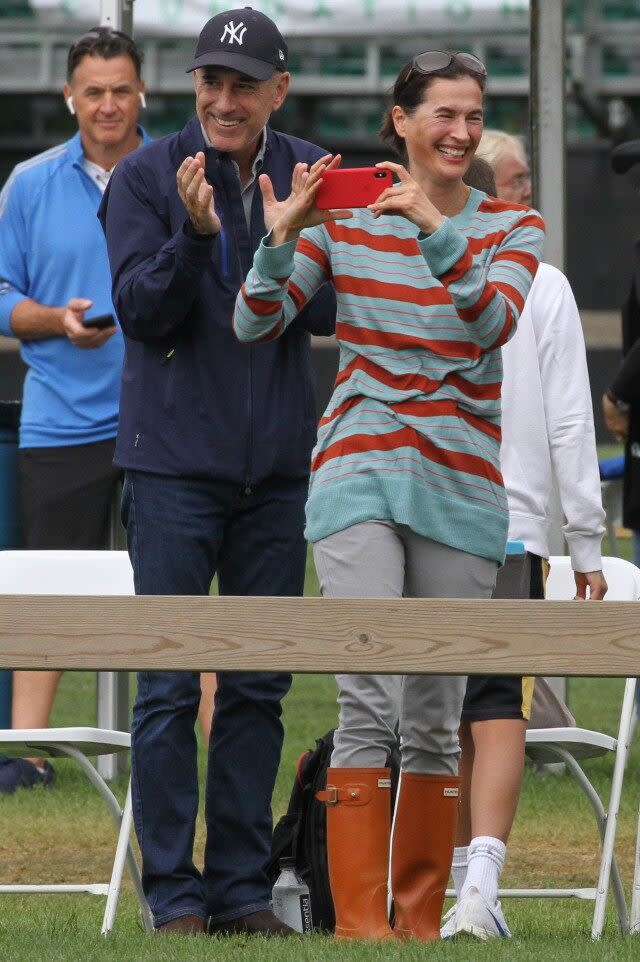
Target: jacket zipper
224,250
249,408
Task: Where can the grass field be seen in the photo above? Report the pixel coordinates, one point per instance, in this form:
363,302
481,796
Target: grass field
553,843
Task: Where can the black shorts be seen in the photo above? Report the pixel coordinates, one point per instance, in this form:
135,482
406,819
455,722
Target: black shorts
66,495
507,696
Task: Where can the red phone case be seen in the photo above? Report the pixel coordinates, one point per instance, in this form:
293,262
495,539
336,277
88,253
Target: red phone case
351,187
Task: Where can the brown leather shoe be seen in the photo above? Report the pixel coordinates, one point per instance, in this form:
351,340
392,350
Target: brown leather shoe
257,923
185,925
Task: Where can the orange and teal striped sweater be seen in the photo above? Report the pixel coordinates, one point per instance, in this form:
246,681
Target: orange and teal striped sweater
412,431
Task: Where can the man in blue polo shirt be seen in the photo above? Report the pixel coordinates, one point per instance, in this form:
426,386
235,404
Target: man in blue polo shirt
54,279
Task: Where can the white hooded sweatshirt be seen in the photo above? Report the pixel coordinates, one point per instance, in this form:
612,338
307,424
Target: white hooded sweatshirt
547,425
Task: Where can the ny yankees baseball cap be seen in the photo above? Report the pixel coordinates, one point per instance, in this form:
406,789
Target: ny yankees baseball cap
243,39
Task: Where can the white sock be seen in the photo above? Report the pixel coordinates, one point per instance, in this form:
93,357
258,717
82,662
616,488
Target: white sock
459,867
485,858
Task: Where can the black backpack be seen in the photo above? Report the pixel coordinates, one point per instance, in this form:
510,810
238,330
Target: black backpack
301,833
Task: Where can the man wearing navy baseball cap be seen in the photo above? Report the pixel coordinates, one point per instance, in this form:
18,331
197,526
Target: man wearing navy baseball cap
244,40
215,438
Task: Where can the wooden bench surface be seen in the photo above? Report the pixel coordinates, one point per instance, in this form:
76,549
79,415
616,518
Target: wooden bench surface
320,635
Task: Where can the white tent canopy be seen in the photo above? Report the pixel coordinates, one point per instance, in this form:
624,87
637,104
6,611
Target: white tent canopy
313,17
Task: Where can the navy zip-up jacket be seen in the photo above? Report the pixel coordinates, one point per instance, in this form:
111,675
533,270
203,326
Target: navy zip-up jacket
195,402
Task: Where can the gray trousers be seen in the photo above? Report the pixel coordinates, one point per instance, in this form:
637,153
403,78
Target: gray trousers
380,559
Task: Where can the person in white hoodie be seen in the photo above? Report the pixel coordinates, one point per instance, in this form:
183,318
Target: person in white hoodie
547,436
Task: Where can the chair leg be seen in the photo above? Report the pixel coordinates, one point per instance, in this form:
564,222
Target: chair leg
124,853
134,872
609,872
124,821
634,926
608,840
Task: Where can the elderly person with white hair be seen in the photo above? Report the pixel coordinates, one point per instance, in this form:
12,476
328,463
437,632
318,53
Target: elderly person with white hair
506,156
547,436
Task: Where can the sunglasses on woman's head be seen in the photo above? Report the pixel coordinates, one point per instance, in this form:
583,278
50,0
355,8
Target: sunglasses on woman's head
434,60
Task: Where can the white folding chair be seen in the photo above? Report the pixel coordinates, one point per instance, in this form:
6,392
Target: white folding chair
77,573
574,745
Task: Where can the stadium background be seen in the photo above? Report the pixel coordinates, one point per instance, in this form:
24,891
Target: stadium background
343,57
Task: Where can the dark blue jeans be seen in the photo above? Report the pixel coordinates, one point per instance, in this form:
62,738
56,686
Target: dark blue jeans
181,532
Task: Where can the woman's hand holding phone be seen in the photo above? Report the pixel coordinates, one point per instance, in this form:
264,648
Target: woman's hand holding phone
408,199
285,219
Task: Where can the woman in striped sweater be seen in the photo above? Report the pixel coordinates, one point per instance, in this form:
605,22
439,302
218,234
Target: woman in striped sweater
406,496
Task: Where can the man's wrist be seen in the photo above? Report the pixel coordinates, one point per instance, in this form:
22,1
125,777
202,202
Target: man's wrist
622,406
194,232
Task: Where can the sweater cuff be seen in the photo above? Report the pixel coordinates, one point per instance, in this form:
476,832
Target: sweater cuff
443,248
275,262
585,551
9,297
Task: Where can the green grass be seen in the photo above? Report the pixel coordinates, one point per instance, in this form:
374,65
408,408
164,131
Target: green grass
553,843
63,934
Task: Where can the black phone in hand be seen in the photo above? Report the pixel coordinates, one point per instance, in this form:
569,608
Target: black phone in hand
100,321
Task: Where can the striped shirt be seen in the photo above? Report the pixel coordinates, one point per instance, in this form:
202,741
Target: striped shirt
412,431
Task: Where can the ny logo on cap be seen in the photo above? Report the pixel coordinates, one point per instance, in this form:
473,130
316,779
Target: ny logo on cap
231,32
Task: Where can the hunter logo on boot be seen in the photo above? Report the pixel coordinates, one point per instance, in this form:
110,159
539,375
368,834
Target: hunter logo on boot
450,792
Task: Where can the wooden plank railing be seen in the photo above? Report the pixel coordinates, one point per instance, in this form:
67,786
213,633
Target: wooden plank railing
319,635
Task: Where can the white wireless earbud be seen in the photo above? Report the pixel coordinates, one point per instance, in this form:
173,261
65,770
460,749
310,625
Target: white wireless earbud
70,107
143,100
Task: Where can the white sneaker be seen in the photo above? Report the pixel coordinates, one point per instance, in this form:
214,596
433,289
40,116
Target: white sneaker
476,917
448,929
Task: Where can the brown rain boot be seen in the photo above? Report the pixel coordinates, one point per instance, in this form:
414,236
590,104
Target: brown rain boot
358,828
423,835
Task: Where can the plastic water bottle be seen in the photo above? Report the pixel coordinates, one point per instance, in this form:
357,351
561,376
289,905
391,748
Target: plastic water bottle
291,901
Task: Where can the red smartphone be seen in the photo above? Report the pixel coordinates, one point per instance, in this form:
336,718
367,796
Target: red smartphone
351,187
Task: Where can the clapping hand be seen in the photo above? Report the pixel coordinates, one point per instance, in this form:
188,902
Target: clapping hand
197,195
285,219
